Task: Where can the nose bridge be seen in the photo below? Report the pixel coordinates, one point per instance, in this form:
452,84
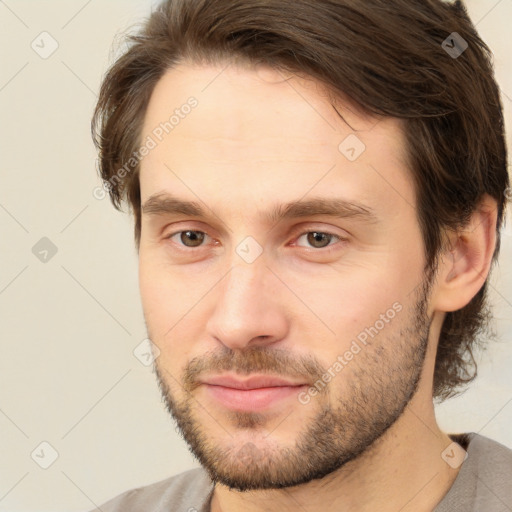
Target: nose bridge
245,286
248,275
245,306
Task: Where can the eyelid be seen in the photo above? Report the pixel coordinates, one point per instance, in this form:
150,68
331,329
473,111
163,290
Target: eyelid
328,229
312,228
181,227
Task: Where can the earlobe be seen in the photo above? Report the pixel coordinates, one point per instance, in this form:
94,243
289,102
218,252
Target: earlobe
465,265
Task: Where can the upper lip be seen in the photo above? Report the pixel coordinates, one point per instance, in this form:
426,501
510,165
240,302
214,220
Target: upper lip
253,382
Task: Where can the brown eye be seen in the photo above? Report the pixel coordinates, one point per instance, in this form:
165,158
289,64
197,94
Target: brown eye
318,239
189,238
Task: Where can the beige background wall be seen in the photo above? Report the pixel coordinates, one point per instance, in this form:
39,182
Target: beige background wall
69,325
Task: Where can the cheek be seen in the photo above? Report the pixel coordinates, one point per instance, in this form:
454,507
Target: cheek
162,289
162,301
352,302
152,291
171,306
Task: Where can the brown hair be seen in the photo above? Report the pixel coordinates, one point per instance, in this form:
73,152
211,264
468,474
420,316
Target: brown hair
387,57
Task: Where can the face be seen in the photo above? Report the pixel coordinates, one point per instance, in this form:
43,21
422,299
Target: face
301,261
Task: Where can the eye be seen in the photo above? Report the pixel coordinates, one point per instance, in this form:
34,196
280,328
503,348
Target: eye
188,238
319,239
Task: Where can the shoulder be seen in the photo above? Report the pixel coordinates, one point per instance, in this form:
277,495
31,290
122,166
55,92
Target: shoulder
483,482
187,491
487,443
489,456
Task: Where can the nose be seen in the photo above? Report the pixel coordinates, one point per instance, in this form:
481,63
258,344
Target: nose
248,310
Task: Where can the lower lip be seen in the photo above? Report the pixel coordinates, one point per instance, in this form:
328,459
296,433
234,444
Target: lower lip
252,399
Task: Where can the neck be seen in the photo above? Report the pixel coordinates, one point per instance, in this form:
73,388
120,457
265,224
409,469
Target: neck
403,470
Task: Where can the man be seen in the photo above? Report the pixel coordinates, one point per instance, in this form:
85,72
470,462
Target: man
318,189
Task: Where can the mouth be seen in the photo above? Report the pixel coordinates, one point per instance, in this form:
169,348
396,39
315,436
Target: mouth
255,393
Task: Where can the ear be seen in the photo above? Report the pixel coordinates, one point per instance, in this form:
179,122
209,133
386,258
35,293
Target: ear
465,264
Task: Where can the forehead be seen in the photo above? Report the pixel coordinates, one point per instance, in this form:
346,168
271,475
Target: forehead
264,133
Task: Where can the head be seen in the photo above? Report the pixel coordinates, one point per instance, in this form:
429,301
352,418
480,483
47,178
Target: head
242,114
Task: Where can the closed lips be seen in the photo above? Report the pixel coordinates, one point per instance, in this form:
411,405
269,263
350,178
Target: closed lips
256,382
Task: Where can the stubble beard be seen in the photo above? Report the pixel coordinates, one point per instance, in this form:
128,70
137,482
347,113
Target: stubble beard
383,379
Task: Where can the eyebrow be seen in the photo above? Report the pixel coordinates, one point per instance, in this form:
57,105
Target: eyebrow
162,204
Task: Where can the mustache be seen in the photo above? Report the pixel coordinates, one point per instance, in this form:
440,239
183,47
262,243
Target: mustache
278,362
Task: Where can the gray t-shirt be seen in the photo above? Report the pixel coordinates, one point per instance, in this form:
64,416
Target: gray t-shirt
483,484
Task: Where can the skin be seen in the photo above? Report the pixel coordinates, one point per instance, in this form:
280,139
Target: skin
369,440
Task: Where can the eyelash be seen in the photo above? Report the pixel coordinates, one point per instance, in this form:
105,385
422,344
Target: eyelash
322,249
